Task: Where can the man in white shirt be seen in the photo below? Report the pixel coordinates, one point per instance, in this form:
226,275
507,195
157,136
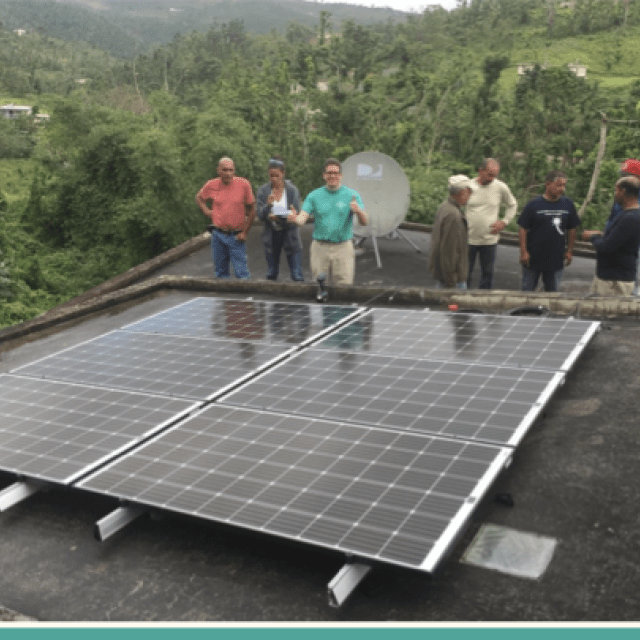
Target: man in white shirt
485,225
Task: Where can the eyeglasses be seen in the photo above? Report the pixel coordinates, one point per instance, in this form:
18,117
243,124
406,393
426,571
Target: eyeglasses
331,173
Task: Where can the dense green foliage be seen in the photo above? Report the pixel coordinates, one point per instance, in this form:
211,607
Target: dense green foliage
110,180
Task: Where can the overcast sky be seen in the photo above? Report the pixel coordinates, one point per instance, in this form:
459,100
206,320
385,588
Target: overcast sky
405,5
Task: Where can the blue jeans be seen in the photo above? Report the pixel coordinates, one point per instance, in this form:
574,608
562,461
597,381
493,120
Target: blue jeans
272,254
550,279
224,249
487,254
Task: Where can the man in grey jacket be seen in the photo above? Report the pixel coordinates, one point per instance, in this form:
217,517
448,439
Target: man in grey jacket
449,259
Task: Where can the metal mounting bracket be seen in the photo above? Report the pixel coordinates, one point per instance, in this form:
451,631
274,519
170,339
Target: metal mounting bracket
116,520
345,582
18,492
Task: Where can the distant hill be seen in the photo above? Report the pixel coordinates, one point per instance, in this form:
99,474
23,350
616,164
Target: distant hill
128,27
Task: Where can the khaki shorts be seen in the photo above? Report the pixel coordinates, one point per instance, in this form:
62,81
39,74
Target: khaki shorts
335,259
611,288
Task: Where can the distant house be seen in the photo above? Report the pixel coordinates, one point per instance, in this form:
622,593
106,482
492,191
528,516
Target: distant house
579,69
14,111
524,67
321,85
20,32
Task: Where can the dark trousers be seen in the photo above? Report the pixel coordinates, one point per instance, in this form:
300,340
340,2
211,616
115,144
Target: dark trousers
272,254
550,279
487,255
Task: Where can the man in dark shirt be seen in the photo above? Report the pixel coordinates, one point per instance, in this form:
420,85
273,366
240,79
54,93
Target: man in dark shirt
544,222
617,248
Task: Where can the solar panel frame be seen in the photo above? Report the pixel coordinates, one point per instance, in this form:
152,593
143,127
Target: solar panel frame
58,432
355,489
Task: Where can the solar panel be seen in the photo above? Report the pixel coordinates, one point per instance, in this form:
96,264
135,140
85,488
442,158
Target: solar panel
245,320
530,342
57,432
375,493
456,399
175,366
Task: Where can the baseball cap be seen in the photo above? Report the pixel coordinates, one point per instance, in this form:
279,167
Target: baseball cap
463,181
631,166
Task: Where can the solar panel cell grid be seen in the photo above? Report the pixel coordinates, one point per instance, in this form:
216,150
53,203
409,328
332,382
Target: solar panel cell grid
244,320
182,367
58,431
471,401
534,342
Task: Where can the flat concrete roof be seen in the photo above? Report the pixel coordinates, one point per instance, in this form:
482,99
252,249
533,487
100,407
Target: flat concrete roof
573,479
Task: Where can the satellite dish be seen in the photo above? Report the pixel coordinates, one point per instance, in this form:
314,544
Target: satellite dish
384,188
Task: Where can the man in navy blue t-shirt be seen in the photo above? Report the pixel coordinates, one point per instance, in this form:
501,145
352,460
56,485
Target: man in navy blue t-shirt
617,248
630,167
547,234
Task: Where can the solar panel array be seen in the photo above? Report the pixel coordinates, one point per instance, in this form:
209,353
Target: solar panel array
372,433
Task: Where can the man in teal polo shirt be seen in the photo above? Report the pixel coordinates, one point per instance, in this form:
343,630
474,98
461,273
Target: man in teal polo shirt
333,207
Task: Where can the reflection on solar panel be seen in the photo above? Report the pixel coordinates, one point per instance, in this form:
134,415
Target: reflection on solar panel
245,320
57,432
380,494
175,366
456,399
529,342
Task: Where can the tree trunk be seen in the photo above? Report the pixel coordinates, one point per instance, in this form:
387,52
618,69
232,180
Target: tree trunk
596,169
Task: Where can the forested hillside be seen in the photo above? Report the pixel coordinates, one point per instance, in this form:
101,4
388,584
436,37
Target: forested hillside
128,28
110,180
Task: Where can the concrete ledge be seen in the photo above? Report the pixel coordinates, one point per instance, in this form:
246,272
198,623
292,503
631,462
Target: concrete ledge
489,301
